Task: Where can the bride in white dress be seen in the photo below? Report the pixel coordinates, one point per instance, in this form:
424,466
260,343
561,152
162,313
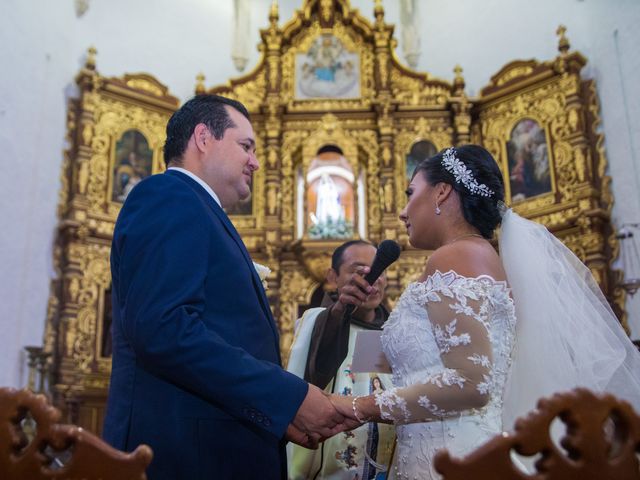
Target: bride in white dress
451,339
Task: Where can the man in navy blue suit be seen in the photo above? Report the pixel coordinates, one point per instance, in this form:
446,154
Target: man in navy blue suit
196,364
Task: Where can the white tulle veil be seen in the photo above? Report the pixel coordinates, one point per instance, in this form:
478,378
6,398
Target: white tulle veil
566,334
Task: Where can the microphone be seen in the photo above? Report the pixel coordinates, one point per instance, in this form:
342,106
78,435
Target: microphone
387,253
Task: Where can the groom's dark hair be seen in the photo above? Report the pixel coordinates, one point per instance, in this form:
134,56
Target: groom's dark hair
481,212
208,109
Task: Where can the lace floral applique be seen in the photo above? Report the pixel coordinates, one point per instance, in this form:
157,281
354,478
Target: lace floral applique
447,338
486,385
480,360
388,400
432,408
446,377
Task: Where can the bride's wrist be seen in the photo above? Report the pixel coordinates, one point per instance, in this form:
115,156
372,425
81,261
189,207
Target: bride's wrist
356,413
365,408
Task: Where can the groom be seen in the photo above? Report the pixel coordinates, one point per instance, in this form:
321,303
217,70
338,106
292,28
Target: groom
196,364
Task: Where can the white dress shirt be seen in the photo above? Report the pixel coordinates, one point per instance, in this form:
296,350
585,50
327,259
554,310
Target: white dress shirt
200,181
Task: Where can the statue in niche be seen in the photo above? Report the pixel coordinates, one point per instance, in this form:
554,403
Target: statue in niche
329,219
330,196
388,196
328,207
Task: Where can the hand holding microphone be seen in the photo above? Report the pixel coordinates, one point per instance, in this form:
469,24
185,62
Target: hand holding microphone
361,287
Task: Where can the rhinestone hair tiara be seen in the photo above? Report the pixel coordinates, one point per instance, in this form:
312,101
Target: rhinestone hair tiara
462,174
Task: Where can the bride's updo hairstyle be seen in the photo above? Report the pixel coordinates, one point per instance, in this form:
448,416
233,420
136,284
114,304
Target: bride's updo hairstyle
475,176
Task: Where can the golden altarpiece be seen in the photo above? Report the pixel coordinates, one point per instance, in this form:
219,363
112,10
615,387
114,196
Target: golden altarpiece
340,123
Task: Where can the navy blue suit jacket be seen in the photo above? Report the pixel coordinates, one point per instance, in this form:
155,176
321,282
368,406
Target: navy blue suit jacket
196,363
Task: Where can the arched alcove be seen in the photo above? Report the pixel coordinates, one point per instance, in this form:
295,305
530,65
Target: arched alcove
330,198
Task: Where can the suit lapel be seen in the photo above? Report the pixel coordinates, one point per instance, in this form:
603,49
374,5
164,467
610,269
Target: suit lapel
233,233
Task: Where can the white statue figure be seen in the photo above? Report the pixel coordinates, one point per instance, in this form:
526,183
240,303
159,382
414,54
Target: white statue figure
328,206
410,31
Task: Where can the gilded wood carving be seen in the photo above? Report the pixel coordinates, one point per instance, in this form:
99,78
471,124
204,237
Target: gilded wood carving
545,102
116,132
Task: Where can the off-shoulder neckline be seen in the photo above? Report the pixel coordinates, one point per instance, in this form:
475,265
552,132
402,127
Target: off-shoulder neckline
439,274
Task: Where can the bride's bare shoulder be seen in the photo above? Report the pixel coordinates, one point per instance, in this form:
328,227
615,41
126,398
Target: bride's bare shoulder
468,257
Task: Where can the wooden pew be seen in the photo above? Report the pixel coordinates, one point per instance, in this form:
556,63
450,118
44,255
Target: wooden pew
33,446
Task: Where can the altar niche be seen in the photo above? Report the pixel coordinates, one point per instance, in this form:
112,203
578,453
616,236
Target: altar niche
329,196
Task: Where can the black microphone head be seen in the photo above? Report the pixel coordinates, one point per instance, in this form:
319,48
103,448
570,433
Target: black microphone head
389,250
387,253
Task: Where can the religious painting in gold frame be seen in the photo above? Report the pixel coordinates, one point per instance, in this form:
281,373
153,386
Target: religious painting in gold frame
327,69
352,67
530,166
131,160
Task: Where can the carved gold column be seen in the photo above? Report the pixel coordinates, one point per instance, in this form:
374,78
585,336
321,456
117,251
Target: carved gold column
274,180
73,232
592,187
461,107
383,210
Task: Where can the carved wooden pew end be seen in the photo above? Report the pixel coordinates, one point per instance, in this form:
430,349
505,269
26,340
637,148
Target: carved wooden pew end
601,440
33,446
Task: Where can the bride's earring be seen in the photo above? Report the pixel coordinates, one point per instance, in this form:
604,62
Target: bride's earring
438,211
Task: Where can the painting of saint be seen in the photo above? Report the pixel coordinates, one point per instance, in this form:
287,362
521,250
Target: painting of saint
528,159
134,160
327,70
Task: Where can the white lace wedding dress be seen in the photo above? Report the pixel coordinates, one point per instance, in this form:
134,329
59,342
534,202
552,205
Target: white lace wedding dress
449,342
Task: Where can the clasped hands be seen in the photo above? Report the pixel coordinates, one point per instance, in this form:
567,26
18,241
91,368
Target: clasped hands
321,416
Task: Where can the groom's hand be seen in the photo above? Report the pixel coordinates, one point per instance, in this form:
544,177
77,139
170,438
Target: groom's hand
296,436
344,405
317,417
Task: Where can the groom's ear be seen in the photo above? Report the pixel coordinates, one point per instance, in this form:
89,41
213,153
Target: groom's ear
202,137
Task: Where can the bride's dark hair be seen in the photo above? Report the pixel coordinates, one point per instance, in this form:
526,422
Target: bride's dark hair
480,211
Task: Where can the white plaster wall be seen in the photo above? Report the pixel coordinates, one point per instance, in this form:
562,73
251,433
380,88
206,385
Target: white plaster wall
37,64
42,47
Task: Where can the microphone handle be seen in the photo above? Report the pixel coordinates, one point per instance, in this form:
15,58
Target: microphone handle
348,312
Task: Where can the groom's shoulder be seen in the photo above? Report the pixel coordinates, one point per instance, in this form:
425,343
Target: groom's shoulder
163,186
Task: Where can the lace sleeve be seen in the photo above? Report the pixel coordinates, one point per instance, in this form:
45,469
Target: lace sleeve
458,316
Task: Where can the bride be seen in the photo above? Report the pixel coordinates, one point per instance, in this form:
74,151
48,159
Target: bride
479,338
